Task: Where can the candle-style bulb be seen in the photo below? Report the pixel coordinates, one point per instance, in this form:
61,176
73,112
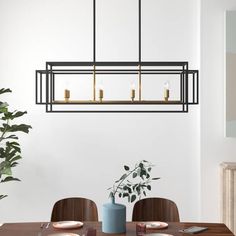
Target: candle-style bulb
132,95
67,95
166,90
100,93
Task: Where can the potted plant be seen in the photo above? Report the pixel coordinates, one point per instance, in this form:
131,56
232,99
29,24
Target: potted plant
10,150
133,184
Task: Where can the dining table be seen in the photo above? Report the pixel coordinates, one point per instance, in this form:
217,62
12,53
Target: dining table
47,228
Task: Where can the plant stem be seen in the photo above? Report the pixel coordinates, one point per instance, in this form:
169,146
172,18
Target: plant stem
3,133
124,180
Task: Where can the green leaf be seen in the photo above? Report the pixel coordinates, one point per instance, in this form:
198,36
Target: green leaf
2,196
141,165
13,115
123,176
135,186
149,169
18,114
143,172
3,90
14,164
9,178
3,107
135,175
125,195
120,195
144,193
149,187
129,198
15,128
155,178
126,168
5,168
11,137
129,190
133,197
138,189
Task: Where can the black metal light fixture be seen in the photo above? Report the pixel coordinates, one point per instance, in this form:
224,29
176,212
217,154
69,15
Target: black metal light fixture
187,80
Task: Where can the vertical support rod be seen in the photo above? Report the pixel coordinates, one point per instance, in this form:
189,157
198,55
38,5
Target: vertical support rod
194,88
139,50
51,88
94,50
139,83
181,87
197,87
94,31
94,83
139,32
36,87
187,95
41,88
47,87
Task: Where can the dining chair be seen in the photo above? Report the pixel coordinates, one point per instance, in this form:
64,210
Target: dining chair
76,209
155,209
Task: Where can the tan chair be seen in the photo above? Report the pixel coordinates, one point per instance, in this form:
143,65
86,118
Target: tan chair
78,209
155,209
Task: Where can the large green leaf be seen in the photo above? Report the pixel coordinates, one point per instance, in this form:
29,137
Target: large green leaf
13,115
5,168
14,146
9,178
13,136
3,90
16,158
2,196
3,107
15,128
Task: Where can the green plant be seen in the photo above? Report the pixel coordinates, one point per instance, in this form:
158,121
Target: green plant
124,187
10,151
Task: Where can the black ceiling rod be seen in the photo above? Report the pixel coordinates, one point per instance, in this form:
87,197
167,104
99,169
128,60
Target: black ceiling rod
139,32
94,31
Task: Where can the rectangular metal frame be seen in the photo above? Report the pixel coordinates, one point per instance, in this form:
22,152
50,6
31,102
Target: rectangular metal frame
45,83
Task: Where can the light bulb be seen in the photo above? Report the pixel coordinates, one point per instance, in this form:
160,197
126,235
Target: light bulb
166,90
132,95
100,87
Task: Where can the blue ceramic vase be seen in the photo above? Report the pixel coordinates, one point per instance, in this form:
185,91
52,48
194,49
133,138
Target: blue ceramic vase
113,217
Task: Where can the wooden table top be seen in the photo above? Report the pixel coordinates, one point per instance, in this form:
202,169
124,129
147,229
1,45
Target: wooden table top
34,229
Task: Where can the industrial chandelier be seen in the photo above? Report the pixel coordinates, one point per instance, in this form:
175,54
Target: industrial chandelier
135,75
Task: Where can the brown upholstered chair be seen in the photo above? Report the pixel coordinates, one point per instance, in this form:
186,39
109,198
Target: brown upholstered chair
78,209
155,209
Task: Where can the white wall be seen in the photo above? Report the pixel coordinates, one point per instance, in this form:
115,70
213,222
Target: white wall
215,148
82,154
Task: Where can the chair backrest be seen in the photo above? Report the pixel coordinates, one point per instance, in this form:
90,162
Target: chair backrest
155,209
78,209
